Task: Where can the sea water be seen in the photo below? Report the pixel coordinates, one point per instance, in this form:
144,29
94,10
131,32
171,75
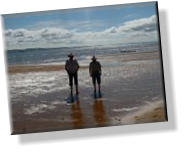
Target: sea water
59,55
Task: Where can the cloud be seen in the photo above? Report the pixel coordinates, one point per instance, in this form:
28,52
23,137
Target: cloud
55,34
145,24
141,25
139,30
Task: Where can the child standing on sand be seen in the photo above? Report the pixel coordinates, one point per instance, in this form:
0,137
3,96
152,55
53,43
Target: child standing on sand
72,68
95,72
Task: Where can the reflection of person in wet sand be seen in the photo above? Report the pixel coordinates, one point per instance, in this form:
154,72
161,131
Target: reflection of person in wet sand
72,68
99,112
95,72
76,115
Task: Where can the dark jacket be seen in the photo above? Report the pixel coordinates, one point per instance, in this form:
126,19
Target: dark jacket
71,66
95,68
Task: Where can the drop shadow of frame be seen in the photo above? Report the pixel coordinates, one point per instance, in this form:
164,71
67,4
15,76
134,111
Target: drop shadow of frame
135,129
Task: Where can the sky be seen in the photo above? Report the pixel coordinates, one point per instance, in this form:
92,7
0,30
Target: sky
105,25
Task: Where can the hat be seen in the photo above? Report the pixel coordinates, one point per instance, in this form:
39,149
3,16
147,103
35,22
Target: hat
70,55
93,58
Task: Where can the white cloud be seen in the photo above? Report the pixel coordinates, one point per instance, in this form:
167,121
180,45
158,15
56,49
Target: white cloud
138,30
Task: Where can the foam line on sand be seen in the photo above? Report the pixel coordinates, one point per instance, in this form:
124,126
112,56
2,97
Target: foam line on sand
151,112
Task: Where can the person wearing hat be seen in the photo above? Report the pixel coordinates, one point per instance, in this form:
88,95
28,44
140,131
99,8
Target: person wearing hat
72,68
95,72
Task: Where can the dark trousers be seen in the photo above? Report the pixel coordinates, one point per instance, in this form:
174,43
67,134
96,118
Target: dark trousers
71,77
96,78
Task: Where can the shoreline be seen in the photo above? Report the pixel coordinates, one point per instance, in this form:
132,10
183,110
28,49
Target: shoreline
125,57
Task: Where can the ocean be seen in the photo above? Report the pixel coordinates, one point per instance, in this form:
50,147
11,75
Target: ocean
59,55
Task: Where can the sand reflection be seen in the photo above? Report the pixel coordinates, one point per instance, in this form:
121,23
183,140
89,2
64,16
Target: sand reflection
99,113
76,115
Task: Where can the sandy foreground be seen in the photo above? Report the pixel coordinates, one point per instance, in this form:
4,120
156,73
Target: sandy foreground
147,114
134,96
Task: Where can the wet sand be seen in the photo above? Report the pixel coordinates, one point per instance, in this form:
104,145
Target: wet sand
135,98
99,118
156,114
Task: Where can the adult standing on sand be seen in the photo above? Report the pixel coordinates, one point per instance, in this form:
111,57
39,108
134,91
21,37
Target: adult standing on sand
95,72
72,68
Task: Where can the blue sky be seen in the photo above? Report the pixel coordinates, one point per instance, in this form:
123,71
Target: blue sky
111,15
81,20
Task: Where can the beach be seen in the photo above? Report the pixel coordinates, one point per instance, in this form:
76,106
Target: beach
132,91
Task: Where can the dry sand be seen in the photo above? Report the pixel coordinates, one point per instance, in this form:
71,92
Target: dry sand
12,69
151,112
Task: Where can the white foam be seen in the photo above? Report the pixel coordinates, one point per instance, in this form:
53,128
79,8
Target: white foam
38,108
125,109
37,83
130,118
58,102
